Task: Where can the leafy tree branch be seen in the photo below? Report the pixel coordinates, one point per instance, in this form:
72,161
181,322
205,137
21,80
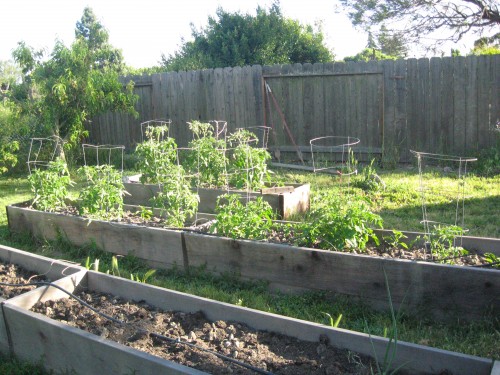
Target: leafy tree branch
418,19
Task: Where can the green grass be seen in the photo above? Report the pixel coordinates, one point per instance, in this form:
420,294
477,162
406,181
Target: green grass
399,204
13,366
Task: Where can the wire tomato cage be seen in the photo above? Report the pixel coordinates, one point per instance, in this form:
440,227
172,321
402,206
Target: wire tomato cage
451,192
334,154
42,151
103,154
148,127
261,133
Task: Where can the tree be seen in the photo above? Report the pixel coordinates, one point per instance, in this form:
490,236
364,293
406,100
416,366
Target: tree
75,83
487,45
235,39
441,20
13,124
383,47
369,54
392,44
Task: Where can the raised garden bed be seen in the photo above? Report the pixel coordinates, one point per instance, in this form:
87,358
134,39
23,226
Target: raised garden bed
285,200
19,267
34,336
438,290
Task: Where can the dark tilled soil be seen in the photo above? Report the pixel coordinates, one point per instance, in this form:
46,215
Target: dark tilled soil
13,274
144,325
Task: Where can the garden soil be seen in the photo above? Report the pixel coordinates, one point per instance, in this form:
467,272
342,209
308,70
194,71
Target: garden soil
13,274
145,326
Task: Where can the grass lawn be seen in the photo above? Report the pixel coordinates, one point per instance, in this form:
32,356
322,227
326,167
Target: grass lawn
399,204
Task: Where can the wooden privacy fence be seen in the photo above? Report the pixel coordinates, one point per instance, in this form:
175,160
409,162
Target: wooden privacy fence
445,105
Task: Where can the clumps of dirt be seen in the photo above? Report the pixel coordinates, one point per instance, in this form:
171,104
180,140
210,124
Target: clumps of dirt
422,254
145,327
13,274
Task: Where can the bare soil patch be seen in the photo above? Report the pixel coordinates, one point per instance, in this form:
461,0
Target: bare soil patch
13,274
144,327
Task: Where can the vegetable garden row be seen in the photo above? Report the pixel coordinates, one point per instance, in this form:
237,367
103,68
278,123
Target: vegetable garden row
325,247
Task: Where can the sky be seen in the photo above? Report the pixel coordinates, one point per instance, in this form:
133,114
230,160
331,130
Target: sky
146,29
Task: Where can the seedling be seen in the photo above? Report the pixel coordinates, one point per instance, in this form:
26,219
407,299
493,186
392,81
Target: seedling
333,323
396,240
442,243
142,278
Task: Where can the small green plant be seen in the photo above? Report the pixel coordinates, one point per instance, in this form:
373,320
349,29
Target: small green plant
236,219
338,222
145,213
142,278
102,198
50,186
385,367
207,156
176,201
442,243
333,323
115,269
247,164
488,162
492,259
368,179
396,240
94,265
157,155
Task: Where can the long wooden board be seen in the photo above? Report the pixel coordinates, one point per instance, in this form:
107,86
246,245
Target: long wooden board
35,336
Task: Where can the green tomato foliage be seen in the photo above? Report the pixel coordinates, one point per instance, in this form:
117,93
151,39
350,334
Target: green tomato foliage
176,201
338,222
237,218
102,198
50,186
157,156
247,164
207,156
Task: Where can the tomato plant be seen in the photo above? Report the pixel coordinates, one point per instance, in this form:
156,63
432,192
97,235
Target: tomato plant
102,198
50,186
236,219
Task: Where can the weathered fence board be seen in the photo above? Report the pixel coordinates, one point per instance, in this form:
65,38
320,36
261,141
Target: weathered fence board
443,105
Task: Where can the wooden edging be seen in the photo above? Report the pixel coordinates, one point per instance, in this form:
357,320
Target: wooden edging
161,248
440,291
286,203
52,269
34,336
